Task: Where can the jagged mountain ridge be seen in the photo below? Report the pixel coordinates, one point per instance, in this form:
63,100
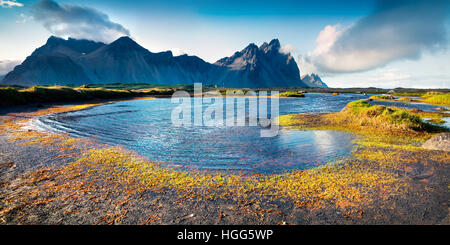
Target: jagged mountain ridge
78,62
264,64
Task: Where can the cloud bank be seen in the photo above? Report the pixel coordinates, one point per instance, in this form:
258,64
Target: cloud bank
287,49
76,21
401,29
9,4
8,65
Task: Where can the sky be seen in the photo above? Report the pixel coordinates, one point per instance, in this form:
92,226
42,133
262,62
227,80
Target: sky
349,43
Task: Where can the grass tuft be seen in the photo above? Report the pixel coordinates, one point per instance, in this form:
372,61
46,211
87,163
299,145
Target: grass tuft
363,118
291,94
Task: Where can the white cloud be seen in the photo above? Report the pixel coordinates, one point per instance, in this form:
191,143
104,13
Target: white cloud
394,31
78,22
178,51
287,49
9,4
23,18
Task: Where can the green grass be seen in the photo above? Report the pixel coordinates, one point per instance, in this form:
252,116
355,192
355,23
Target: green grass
411,94
381,97
292,94
407,100
436,120
224,92
437,99
385,115
40,94
363,118
357,106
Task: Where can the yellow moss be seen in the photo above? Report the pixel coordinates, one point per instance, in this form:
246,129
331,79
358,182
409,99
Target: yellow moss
374,171
336,184
407,100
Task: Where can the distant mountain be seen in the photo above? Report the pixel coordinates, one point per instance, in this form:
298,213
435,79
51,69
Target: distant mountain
78,62
1,77
313,80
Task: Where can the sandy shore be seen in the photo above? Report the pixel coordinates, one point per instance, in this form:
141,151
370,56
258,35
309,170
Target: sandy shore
37,188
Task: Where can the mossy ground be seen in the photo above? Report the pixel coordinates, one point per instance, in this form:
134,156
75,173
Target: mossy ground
291,94
111,185
434,98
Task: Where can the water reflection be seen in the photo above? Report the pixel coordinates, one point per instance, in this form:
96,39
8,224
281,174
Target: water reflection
145,127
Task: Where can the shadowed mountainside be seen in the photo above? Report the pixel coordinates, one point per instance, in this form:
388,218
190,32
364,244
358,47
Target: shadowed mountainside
78,62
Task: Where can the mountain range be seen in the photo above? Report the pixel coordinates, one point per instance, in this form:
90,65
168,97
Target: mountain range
79,61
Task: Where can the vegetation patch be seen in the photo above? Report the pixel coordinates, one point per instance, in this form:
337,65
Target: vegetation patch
406,100
434,98
363,118
436,120
382,97
291,94
410,94
437,98
49,94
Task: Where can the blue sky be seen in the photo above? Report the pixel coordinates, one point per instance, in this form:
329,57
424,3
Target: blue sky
348,43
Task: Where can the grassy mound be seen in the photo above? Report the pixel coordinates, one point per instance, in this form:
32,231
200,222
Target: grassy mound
382,116
381,97
412,94
436,120
434,98
437,98
406,100
364,118
291,94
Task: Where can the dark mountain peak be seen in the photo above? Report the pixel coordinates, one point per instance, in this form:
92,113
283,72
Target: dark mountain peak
273,46
243,59
275,43
70,47
125,39
252,54
251,46
265,66
54,40
125,43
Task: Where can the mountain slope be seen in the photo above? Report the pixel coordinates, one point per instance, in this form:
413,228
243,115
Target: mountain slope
78,62
53,63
